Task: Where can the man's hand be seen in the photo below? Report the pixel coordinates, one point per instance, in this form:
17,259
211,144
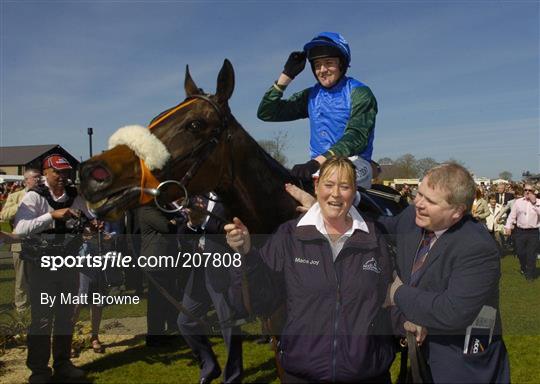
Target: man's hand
64,214
238,236
530,196
295,64
97,225
391,292
8,238
305,199
305,171
419,331
507,231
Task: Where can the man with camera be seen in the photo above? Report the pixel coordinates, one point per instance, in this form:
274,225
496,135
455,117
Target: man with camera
47,222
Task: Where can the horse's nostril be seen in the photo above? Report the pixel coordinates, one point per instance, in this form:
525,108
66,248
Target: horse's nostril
100,174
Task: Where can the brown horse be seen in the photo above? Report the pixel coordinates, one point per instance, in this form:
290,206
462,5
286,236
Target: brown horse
209,151
200,144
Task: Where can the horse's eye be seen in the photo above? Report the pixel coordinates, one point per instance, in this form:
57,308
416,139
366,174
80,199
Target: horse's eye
194,125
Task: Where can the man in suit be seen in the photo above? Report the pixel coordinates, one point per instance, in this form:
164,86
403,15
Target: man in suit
158,237
448,270
210,285
503,197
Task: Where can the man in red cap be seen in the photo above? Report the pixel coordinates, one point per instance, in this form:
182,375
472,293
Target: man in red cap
50,210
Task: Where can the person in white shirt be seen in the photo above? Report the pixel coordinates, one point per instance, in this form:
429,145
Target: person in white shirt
50,210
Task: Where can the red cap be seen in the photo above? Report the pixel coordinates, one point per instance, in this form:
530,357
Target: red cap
57,162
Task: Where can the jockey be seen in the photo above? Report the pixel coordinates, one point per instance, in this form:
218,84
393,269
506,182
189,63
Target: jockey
341,110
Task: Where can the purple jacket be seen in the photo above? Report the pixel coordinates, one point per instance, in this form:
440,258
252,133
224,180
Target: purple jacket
335,328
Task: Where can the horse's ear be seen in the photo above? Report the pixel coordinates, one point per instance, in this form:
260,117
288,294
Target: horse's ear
189,85
225,82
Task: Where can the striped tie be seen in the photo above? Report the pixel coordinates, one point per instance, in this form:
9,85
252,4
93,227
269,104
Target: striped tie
423,251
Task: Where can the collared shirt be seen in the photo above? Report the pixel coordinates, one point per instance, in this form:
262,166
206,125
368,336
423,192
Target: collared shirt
34,213
438,234
524,214
314,217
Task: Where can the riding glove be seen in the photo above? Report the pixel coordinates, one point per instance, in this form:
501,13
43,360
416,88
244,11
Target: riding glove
295,64
305,171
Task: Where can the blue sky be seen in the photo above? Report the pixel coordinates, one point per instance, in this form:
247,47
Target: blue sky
453,79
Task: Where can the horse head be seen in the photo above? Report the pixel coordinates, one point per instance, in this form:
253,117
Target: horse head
199,144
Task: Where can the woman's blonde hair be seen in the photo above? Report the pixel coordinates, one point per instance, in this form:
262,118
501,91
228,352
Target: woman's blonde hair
345,168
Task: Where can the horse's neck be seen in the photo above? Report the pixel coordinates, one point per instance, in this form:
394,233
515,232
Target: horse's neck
257,192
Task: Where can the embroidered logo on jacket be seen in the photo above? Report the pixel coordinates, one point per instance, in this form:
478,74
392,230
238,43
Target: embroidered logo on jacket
304,261
371,265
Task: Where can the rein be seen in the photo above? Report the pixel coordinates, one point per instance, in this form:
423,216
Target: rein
150,188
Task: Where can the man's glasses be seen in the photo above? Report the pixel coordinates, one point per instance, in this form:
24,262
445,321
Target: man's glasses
528,190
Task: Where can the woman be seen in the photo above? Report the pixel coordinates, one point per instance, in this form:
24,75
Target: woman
480,208
331,268
495,220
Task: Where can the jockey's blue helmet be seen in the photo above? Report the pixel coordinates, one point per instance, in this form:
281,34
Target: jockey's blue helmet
329,44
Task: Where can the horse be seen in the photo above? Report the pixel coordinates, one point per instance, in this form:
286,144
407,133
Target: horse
206,144
202,147
200,143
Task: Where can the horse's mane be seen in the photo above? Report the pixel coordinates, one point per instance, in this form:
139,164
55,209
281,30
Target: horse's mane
266,199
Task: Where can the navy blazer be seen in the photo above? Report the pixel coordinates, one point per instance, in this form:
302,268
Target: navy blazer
460,275
507,196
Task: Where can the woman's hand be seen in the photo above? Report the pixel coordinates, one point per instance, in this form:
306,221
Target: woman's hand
238,236
305,199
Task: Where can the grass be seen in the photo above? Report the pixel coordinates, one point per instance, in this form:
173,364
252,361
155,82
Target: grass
520,310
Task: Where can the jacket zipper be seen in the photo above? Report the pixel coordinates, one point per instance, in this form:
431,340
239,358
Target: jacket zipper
336,317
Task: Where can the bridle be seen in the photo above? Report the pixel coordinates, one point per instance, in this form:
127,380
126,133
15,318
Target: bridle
150,185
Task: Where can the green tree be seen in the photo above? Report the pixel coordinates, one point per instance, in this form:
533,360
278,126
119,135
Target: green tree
406,166
385,161
506,175
276,147
424,165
